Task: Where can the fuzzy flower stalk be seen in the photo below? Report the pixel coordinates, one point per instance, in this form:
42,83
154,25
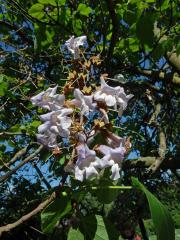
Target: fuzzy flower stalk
83,123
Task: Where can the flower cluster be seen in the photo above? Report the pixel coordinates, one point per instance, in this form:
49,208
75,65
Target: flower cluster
79,120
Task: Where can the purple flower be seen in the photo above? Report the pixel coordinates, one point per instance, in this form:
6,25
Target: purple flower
49,99
85,103
112,96
73,45
56,122
83,168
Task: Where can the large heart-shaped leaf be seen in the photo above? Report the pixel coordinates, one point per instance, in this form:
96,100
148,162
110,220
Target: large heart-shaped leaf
75,234
161,218
95,227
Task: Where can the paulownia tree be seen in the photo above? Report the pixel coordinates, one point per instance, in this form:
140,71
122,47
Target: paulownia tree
80,117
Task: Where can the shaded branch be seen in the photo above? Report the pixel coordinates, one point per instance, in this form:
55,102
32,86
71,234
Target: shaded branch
37,210
41,176
24,218
115,30
171,163
18,31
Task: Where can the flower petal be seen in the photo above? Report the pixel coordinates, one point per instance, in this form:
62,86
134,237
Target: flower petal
90,172
79,174
44,127
80,41
104,149
110,100
115,172
46,117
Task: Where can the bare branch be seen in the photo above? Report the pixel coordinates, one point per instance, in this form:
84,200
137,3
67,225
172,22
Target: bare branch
171,163
154,74
41,176
26,160
18,155
174,60
161,151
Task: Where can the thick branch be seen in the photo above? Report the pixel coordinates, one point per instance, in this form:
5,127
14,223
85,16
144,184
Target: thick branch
162,151
174,60
24,218
26,160
154,74
171,163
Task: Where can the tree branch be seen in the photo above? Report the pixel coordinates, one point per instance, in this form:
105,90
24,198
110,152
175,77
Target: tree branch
162,151
24,218
26,160
37,210
174,60
154,74
18,155
172,163
115,30
41,176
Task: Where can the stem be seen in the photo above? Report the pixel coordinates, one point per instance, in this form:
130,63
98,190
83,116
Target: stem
143,229
112,187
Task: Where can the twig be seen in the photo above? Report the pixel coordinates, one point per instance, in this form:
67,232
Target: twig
41,176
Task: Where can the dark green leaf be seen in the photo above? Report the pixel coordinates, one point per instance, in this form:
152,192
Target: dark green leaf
106,195
75,234
145,27
96,228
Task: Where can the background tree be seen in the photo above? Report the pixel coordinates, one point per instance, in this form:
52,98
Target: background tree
139,39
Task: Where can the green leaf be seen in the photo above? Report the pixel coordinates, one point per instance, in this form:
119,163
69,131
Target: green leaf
43,36
48,2
163,222
83,9
53,2
145,27
54,212
96,228
35,123
37,11
3,85
75,234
